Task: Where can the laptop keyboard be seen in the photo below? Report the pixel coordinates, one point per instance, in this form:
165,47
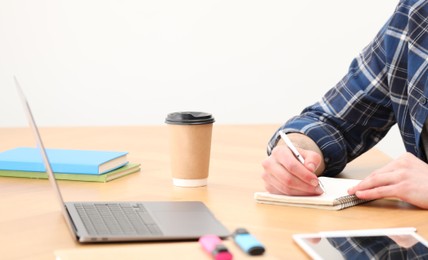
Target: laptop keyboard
117,219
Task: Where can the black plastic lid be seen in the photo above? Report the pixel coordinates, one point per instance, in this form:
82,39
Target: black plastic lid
189,118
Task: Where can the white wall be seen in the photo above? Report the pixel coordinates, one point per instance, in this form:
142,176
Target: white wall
130,62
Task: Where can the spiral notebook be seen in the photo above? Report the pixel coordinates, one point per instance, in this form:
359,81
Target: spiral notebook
335,196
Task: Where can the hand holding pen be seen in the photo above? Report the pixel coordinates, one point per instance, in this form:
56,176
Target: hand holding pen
296,153
293,172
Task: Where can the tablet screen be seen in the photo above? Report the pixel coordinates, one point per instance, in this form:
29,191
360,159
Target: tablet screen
372,244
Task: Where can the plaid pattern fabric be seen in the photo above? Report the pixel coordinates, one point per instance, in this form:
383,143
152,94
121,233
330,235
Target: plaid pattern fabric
385,85
381,247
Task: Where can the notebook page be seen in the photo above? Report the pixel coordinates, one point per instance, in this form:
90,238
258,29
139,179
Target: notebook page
335,188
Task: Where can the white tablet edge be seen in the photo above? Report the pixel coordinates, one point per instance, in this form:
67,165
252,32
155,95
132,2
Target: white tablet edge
299,238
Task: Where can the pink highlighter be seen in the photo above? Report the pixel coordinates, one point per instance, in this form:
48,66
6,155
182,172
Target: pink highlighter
213,245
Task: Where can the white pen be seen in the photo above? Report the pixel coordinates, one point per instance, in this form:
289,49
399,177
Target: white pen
296,153
291,147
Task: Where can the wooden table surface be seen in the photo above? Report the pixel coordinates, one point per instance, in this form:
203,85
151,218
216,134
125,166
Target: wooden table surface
32,227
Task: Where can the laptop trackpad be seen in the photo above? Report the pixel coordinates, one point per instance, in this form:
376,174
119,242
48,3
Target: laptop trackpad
191,223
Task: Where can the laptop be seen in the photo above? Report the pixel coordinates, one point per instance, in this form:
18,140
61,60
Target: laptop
91,222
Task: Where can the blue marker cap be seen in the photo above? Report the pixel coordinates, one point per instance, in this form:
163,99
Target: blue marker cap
247,242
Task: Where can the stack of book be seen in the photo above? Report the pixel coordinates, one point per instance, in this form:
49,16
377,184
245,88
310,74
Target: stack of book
76,165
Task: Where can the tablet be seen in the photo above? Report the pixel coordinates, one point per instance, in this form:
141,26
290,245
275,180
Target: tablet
390,243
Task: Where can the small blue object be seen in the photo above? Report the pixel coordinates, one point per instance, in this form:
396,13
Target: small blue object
62,160
247,242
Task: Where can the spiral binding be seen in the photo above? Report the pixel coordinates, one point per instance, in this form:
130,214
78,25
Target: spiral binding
349,201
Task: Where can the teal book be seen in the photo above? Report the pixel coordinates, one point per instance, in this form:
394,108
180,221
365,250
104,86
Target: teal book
62,160
105,177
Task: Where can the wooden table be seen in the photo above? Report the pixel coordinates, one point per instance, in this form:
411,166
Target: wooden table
32,227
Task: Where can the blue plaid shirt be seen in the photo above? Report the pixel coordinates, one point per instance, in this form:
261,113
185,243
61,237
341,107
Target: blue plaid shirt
376,247
385,85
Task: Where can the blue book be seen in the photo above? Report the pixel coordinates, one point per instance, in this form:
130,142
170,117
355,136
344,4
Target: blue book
62,160
129,168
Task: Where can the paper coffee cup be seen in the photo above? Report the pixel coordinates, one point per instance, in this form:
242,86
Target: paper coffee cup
190,147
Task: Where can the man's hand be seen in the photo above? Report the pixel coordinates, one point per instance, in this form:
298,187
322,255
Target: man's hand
405,178
284,174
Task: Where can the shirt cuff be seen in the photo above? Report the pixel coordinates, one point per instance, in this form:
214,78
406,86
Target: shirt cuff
328,139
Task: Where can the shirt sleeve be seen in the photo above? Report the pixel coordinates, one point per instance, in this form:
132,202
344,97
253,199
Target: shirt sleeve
356,113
